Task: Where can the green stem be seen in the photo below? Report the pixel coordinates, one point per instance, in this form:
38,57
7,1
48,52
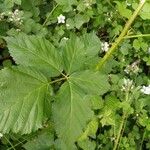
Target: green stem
10,143
49,15
142,140
121,37
136,36
58,80
121,128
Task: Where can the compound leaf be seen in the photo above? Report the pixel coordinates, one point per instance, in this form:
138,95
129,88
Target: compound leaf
35,51
23,100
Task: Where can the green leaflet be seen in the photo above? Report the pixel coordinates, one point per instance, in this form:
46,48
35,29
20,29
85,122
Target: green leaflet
145,13
67,4
78,51
123,10
10,3
23,100
37,52
70,114
73,55
71,111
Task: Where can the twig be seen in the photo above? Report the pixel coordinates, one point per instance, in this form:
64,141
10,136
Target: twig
136,36
49,15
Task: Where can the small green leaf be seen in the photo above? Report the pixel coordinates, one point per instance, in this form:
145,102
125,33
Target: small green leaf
125,12
90,130
10,3
44,141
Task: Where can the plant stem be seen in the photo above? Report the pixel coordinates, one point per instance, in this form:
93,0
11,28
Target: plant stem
49,15
58,80
10,143
136,36
121,128
121,37
119,132
142,140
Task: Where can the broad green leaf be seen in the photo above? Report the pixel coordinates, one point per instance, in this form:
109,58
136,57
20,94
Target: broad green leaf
35,51
44,141
23,100
71,111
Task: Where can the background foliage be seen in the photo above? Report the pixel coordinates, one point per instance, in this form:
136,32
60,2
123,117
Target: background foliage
51,97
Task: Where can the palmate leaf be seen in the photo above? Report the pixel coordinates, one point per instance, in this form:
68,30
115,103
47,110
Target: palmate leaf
71,111
23,100
35,51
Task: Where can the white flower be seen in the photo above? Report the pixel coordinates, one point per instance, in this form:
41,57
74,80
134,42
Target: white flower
145,90
149,50
142,1
61,18
65,38
133,68
67,25
15,17
1,135
87,5
127,85
128,4
18,30
2,16
105,46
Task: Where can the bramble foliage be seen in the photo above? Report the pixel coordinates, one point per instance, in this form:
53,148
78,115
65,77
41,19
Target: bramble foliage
51,94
